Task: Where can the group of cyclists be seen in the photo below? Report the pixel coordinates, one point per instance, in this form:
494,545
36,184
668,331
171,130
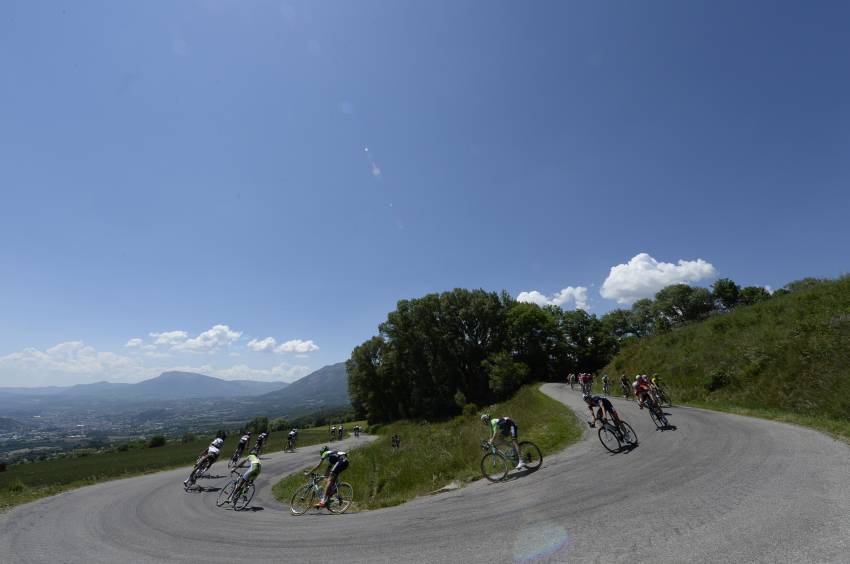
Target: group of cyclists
648,392
337,433
337,460
645,390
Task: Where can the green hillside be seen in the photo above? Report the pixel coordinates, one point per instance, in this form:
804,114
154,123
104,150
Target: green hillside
786,358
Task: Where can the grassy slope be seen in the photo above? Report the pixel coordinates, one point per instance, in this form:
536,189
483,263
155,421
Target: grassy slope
434,454
26,482
786,359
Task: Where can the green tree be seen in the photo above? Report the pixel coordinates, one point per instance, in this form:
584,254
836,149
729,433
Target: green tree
804,284
643,317
533,338
156,441
725,293
506,375
753,295
619,323
681,303
258,424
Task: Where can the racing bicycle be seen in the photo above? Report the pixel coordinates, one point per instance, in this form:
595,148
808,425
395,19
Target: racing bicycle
613,438
339,498
198,472
663,396
237,492
496,463
657,414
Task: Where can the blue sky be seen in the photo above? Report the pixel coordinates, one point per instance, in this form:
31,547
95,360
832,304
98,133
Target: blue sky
204,175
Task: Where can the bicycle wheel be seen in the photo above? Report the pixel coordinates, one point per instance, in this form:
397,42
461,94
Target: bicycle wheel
244,497
199,473
494,466
302,500
225,492
530,454
609,439
629,435
657,417
340,501
664,398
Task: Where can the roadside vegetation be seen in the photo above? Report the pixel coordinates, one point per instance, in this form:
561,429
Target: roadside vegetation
786,358
21,483
433,455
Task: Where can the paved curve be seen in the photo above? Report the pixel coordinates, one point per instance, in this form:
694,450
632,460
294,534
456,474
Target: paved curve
721,488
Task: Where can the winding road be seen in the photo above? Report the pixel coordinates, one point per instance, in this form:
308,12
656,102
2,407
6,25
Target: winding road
720,488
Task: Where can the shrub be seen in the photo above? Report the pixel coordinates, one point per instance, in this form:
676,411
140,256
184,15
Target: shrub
156,441
188,437
470,409
15,485
717,380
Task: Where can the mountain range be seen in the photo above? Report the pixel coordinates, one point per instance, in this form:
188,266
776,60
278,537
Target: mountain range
184,393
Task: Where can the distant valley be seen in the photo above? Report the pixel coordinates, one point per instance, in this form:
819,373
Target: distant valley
172,403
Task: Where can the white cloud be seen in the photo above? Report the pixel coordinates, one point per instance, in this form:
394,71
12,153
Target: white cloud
269,344
264,345
68,362
281,372
297,346
74,362
577,294
134,343
217,337
169,338
643,277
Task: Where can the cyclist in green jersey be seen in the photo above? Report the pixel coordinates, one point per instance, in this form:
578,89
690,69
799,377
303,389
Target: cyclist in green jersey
254,461
508,428
337,462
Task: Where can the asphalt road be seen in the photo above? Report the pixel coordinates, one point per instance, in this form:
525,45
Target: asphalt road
720,488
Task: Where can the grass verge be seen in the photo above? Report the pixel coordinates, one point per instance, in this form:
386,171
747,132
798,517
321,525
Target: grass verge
838,429
433,455
23,483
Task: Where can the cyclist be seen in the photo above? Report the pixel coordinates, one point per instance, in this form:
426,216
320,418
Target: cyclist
656,382
337,462
261,440
624,384
244,441
605,408
333,432
643,388
341,432
210,454
290,439
508,428
586,382
572,380
605,385
253,461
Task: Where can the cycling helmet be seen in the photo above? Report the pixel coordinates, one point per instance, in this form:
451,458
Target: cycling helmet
324,450
218,441
585,396
485,417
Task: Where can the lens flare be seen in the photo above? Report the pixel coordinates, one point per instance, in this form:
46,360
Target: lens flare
539,541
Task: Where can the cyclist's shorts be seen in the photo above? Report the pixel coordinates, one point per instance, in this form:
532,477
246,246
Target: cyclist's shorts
340,465
510,431
606,403
251,474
